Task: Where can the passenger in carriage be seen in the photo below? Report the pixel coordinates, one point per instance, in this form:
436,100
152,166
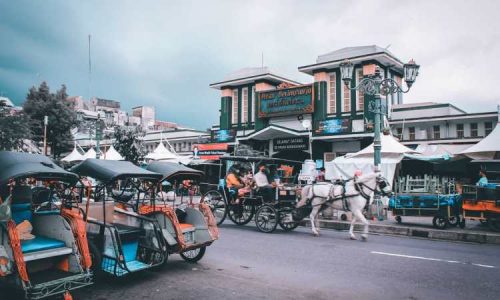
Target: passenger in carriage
233,183
264,188
247,179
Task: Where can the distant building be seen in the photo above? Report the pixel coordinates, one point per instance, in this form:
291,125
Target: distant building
147,115
164,125
439,123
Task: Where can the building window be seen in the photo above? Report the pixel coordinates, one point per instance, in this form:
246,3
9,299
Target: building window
473,129
399,133
254,106
460,131
436,132
360,95
244,105
346,98
332,94
235,107
488,128
411,131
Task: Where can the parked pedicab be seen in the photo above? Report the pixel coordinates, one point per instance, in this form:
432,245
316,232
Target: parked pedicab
482,203
430,196
187,223
121,241
240,209
43,245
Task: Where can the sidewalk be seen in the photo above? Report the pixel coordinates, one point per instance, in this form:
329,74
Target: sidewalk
420,227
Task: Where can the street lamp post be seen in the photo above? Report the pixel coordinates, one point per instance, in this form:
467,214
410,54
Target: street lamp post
98,134
307,124
375,85
45,123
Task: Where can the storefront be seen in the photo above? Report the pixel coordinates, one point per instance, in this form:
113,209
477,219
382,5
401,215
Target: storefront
285,118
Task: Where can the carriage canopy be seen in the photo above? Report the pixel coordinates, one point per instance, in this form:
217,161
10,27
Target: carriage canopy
19,165
110,170
171,170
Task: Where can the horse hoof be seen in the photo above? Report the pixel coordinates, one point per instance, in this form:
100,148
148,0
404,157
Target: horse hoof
353,238
364,238
316,234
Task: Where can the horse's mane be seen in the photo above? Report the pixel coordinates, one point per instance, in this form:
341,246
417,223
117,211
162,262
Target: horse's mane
366,177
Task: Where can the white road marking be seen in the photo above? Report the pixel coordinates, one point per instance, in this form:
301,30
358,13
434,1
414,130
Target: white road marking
432,259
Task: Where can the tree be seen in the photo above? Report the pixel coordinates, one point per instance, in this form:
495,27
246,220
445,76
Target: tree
128,142
41,102
14,129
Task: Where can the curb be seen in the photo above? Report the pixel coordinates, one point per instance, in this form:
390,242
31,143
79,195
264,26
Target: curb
448,235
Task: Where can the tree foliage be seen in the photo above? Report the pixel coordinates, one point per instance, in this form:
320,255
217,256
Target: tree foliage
41,102
128,142
14,128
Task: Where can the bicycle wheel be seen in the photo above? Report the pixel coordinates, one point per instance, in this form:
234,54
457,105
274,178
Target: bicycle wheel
217,204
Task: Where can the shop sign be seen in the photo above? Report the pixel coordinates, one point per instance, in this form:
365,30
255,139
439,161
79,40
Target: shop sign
334,126
294,143
209,151
287,101
223,135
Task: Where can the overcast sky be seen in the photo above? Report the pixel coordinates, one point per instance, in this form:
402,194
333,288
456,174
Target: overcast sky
166,53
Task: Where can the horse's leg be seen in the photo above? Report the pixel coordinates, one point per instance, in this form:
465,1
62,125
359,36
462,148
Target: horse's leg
351,228
312,216
361,217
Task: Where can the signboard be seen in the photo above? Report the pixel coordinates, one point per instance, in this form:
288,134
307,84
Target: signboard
209,151
294,143
223,135
288,101
334,126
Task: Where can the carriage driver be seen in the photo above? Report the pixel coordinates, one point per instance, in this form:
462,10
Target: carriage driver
265,189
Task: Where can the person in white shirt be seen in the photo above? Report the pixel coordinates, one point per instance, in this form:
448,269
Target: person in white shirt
264,188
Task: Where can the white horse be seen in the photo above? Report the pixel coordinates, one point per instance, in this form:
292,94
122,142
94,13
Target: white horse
355,195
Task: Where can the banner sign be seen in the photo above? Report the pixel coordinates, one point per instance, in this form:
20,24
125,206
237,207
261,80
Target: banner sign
223,135
334,126
294,143
209,151
287,101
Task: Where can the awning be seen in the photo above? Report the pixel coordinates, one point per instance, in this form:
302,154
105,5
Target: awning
273,131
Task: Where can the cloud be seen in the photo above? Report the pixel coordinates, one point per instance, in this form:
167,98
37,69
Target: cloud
166,53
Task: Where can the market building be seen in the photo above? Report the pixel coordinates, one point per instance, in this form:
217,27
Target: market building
285,118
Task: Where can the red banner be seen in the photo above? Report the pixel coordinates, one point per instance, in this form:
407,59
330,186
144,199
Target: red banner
209,151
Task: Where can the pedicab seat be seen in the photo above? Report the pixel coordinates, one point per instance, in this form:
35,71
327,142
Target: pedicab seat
40,243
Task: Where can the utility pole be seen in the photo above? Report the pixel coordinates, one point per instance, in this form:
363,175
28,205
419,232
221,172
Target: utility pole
45,123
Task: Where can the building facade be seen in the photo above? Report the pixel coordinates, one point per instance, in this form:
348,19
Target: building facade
341,120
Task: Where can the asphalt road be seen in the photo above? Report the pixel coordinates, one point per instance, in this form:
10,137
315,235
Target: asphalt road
247,264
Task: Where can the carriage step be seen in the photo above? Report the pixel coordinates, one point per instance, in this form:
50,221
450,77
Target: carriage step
31,256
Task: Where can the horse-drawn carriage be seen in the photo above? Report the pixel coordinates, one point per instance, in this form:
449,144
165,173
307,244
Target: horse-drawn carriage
43,245
428,196
268,213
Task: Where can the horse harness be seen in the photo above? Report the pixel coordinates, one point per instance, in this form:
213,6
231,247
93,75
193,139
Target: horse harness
359,187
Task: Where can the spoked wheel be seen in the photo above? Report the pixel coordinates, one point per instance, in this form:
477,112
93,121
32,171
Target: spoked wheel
483,222
194,255
266,218
462,223
217,204
96,258
286,221
240,214
440,222
494,224
399,219
454,221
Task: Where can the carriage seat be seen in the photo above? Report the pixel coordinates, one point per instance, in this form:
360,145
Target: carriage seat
40,243
186,227
21,204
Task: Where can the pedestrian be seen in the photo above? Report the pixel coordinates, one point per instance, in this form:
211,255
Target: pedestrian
483,180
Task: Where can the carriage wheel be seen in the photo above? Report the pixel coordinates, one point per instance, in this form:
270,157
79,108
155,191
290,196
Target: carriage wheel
215,200
286,221
454,221
240,214
399,219
266,218
194,255
494,224
483,222
440,222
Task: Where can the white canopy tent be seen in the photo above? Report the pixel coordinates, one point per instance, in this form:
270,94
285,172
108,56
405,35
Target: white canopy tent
392,153
162,153
74,156
487,148
112,154
90,154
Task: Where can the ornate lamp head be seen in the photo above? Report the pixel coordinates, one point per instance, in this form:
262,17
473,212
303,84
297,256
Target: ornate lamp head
346,70
410,71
